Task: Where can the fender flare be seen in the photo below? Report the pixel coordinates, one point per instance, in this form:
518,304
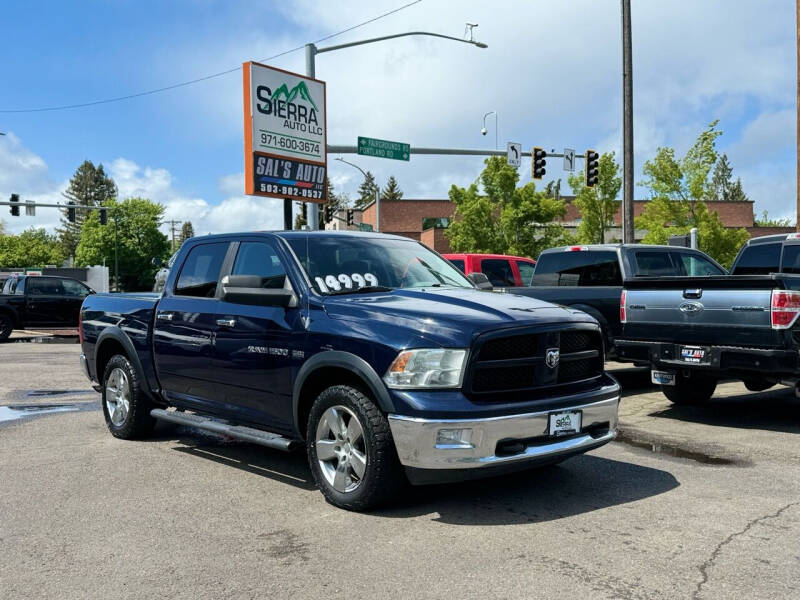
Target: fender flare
341,360
116,334
9,310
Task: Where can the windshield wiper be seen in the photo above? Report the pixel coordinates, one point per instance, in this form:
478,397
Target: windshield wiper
367,289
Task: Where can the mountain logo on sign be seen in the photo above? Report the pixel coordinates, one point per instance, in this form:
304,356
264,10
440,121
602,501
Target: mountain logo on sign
282,104
299,90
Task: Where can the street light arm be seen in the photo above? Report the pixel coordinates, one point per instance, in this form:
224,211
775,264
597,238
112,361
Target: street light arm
352,165
397,35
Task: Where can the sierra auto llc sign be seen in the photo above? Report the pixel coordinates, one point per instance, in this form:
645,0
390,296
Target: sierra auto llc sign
284,134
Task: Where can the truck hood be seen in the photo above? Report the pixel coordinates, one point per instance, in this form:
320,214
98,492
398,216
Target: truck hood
449,316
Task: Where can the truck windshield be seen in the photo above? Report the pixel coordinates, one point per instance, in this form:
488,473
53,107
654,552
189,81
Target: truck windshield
340,264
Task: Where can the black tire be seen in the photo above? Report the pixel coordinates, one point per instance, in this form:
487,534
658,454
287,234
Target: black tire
137,422
6,325
697,388
383,476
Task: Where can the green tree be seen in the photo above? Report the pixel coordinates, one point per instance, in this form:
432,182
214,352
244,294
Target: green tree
300,219
187,231
139,240
89,186
367,191
599,203
766,221
504,219
30,249
723,187
677,188
392,191
553,189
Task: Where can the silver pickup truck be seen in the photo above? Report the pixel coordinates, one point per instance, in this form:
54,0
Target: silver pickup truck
692,331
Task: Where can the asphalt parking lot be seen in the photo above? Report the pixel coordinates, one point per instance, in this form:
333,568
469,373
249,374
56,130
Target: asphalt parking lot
692,502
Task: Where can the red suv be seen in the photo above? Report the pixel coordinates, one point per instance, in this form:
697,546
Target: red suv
502,270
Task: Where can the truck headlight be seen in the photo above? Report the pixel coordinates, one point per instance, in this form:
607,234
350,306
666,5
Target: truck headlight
426,368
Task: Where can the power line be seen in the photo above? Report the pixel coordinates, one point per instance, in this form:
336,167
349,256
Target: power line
200,79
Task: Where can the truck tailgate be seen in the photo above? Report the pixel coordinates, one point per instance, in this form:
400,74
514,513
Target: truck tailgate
723,310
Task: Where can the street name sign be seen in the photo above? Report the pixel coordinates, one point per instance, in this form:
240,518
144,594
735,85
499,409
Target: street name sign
383,148
514,154
284,134
569,159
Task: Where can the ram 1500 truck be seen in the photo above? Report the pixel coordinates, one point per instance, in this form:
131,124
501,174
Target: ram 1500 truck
371,351
40,301
590,278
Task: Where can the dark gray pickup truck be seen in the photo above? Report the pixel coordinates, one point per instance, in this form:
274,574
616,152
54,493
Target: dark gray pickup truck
591,278
693,331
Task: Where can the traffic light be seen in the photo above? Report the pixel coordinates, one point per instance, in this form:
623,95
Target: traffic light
71,212
349,217
14,208
320,215
328,213
103,216
592,167
538,162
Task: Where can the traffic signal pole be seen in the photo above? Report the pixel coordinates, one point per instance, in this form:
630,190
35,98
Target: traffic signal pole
627,126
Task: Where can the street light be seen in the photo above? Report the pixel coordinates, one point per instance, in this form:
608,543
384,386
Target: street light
377,194
483,129
312,51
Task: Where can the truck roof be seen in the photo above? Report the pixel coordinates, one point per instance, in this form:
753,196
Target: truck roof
612,247
777,237
300,233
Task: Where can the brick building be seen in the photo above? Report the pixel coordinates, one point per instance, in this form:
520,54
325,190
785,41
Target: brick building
407,217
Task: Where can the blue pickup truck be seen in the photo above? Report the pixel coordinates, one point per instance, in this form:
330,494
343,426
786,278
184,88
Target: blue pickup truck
371,351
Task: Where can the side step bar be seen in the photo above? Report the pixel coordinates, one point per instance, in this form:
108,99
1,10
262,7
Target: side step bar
247,434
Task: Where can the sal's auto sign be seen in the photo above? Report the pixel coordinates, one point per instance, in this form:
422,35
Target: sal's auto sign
284,134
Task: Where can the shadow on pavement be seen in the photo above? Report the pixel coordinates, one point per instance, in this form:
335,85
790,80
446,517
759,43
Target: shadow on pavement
634,380
776,410
580,485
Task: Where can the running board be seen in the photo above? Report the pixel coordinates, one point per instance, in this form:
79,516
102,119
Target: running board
246,434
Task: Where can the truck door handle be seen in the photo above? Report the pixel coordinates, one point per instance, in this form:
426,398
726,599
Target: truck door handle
165,316
226,322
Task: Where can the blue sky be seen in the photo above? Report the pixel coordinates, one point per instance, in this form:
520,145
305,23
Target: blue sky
552,72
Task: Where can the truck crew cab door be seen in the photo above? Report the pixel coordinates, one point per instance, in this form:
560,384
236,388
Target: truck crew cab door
44,302
256,346
185,323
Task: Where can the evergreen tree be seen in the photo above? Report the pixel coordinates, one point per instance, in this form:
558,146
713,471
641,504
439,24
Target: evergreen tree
367,191
722,185
187,231
89,186
392,191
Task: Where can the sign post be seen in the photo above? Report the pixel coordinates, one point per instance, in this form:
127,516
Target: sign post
284,134
383,148
514,154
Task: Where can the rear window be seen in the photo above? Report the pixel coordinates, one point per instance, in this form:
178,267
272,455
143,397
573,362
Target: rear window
759,259
695,265
582,268
655,264
499,272
458,263
791,258
200,272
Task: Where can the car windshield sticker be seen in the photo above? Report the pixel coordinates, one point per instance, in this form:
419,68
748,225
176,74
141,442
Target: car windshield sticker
343,280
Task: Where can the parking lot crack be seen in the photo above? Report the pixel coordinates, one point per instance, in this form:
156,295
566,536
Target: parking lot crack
704,568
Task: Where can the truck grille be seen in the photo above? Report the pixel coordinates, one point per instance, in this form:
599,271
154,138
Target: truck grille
516,362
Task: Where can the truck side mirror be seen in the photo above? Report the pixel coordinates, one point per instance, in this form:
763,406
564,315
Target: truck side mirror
248,289
481,281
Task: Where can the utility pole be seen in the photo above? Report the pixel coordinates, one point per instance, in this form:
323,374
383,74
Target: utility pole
797,211
627,125
173,224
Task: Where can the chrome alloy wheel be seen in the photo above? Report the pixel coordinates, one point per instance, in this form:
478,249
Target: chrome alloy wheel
341,452
117,396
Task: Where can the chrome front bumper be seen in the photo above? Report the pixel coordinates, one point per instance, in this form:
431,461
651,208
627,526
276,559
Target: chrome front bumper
85,366
415,438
